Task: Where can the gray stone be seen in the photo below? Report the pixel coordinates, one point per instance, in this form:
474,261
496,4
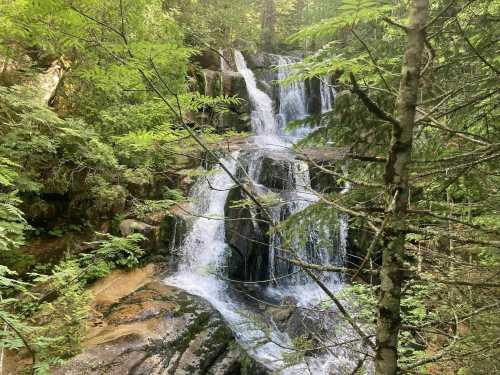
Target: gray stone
181,335
150,232
208,59
247,237
173,229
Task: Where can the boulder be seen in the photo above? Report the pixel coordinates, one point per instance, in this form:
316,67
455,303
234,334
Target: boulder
322,181
155,329
259,60
208,59
276,173
150,232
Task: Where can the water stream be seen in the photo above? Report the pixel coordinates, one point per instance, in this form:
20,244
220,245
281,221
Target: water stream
204,251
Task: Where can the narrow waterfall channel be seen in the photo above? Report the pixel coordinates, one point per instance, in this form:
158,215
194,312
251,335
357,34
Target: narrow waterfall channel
202,269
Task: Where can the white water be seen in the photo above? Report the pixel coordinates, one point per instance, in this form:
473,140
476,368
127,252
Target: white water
292,96
264,123
203,254
204,249
327,95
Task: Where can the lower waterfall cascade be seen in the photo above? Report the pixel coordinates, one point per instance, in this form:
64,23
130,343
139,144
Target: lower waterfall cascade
204,252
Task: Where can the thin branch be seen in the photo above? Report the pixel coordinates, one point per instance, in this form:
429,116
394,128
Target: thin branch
372,58
390,21
370,104
375,240
474,49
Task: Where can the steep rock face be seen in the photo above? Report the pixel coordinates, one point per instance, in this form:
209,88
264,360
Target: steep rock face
313,93
208,59
247,237
263,64
228,83
173,229
238,116
275,172
145,327
247,228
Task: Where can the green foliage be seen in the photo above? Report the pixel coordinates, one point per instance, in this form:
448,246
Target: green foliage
348,14
53,153
301,344
60,325
265,200
297,229
53,319
142,209
361,299
12,222
112,252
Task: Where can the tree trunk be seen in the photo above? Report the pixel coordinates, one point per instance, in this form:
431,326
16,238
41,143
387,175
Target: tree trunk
300,6
268,34
396,181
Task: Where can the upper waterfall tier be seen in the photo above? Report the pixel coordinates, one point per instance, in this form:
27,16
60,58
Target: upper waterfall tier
263,120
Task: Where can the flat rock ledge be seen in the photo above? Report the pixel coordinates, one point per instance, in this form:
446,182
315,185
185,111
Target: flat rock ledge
156,330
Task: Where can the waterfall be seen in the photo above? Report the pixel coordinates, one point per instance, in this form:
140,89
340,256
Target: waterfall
204,251
263,121
292,96
222,61
327,95
202,269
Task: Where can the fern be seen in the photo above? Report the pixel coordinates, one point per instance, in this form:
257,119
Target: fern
349,13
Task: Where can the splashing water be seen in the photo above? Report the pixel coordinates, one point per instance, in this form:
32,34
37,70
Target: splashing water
264,123
327,95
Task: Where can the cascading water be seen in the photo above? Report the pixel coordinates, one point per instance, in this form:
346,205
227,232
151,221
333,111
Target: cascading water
201,271
292,96
263,121
327,95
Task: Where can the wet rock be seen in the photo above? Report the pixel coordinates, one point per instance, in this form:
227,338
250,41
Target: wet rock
155,329
173,228
212,82
276,172
234,85
259,60
150,232
247,237
208,59
294,320
281,315
313,93
322,181
227,83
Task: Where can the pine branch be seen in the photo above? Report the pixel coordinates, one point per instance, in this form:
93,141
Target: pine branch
370,104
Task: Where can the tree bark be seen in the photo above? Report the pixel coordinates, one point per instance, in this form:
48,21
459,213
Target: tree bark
268,34
396,181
